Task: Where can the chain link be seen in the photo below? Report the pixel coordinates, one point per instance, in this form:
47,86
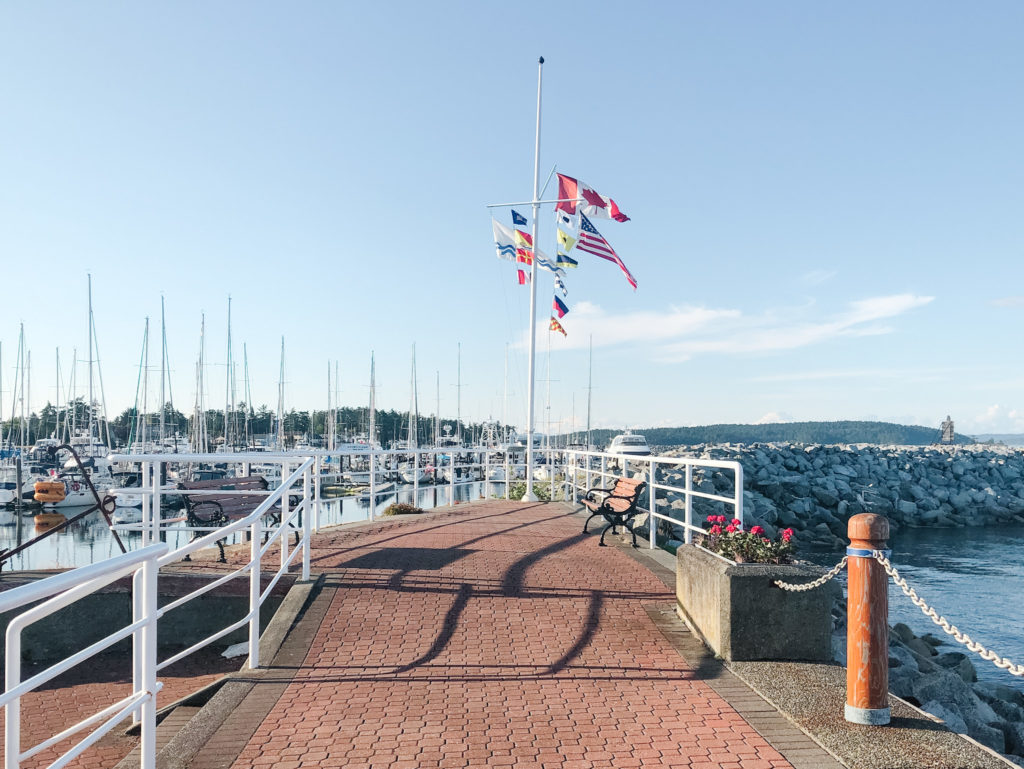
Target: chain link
999,662
817,583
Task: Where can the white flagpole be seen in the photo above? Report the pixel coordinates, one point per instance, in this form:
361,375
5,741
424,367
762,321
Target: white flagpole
530,496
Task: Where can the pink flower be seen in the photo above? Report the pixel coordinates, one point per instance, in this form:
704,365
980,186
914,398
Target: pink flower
731,528
787,534
716,529
720,519
737,522
712,519
757,530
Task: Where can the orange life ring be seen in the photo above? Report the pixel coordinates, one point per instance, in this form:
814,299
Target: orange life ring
49,491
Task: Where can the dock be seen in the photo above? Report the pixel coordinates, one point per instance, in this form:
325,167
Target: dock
496,633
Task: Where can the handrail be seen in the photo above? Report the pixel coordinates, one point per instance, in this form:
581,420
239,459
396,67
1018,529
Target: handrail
580,461
59,591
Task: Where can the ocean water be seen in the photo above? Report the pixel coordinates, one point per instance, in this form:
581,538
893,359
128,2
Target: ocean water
974,577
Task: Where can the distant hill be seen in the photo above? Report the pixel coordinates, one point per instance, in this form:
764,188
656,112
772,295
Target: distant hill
787,432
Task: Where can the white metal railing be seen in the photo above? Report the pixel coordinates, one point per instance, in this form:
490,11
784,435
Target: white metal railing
144,564
60,591
598,468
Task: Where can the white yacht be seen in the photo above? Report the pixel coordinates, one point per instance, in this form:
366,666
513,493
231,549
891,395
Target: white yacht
629,444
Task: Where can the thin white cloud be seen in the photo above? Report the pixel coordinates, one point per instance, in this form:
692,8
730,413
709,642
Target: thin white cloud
817,277
1008,301
680,333
774,417
903,374
766,334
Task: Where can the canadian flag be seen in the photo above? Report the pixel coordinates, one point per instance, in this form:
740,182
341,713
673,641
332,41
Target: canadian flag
594,205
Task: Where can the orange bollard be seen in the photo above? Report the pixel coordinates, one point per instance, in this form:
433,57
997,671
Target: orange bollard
867,623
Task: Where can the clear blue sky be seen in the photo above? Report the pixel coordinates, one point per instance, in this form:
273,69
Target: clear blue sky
825,200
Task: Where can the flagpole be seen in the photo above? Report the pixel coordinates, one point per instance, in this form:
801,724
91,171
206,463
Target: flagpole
529,496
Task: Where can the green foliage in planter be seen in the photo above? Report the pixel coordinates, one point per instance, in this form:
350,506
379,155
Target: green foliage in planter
542,490
401,508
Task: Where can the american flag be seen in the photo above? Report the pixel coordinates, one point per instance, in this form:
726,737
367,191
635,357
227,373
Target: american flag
591,242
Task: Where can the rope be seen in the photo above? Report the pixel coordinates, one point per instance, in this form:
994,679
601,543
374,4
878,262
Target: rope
986,654
817,583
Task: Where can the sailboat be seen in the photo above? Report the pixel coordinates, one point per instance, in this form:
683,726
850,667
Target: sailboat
410,473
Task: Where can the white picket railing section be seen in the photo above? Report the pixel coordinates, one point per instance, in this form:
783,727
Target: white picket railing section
144,565
599,469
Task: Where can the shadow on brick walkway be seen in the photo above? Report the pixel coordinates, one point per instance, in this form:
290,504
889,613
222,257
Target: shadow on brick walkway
493,635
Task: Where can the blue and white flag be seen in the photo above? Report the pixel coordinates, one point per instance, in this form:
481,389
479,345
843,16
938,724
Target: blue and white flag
518,220
504,241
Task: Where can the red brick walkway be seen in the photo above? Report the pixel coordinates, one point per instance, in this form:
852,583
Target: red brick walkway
497,636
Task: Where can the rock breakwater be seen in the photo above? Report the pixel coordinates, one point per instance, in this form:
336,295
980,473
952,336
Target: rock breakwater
814,489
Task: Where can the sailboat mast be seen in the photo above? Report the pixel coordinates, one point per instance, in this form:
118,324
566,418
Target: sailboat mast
504,401
163,373
248,394
373,402
56,411
91,420
28,402
227,385
437,413
143,433
458,397
280,401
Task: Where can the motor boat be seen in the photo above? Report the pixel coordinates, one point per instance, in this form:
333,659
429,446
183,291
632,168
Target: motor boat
629,444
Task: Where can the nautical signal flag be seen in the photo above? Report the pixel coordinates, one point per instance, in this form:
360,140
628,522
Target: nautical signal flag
524,277
518,219
565,242
504,241
563,218
524,255
560,285
556,326
592,243
564,260
559,307
524,239
572,192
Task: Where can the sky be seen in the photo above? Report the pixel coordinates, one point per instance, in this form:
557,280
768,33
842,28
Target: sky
825,205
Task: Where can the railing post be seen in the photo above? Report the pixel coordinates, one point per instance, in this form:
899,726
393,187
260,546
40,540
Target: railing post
652,522
738,504
145,484
318,468
285,472
306,487
373,484
157,504
451,478
147,746
688,496
551,472
508,473
487,475
415,477
254,594
138,642
867,623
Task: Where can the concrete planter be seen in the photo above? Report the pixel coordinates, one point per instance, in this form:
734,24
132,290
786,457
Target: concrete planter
741,615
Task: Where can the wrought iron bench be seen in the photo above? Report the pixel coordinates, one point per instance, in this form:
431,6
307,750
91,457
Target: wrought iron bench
214,510
618,505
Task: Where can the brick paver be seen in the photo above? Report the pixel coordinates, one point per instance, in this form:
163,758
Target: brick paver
497,636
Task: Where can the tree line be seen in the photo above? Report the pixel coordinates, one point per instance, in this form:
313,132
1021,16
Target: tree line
244,424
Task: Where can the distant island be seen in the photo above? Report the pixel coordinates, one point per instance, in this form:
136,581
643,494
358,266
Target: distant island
884,433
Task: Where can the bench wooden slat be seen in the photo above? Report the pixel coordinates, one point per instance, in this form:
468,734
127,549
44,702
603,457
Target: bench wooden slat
618,504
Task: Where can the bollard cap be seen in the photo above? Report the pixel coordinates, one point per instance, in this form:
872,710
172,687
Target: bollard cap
868,526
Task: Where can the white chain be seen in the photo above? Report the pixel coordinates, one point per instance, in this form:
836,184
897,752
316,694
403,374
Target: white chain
817,583
1000,662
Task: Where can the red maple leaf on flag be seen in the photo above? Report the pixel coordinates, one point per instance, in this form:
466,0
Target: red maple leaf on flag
592,197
